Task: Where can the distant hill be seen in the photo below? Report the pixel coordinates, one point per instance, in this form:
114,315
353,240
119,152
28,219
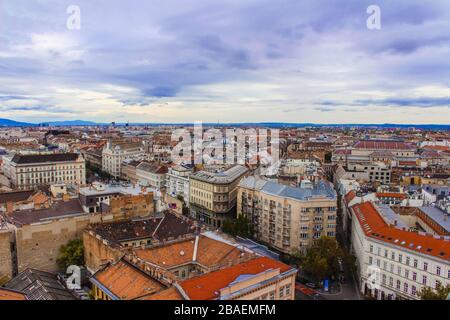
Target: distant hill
12,123
72,123
68,123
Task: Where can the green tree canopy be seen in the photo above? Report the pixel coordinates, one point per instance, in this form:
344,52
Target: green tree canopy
321,260
238,227
71,254
441,293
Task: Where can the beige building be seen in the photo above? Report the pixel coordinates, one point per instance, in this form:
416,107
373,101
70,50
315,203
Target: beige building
114,153
287,218
33,170
212,195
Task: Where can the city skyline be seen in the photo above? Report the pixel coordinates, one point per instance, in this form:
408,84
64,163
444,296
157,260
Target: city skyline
166,62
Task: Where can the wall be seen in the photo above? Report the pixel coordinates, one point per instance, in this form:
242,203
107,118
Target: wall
38,245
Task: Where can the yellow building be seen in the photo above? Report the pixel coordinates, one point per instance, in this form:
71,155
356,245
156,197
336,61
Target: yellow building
212,195
288,218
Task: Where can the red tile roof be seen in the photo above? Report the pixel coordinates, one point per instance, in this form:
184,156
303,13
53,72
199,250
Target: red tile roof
391,195
382,145
6,294
206,287
349,197
374,226
126,281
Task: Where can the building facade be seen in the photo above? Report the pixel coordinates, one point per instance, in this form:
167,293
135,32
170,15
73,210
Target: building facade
212,195
288,218
31,171
114,154
394,263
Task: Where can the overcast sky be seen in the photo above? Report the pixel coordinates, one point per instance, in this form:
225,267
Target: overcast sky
229,61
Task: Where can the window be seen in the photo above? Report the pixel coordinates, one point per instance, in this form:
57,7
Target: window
424,280
438,271
371,249
415,263
391,281
405,287
398,284
288,290
407,260
400,258
272,295
414,276
281,292
413,290
370,260
437,284
425,266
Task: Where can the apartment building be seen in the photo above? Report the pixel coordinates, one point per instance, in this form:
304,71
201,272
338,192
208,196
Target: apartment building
33,170
392,262
288,218
151,174
376,171
114,153
178,182
212,195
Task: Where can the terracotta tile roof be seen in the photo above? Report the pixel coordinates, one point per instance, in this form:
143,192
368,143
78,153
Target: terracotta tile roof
210,252
391,195
206,287
125,281
6,294
374,226
168,294
349,197
382,145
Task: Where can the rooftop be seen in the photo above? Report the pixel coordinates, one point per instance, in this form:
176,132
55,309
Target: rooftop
382,145
59,209
162,227
206,251
16,196
438,216
39,285
374,226
44,158
223,177
125,281
321,189
208,286
7,294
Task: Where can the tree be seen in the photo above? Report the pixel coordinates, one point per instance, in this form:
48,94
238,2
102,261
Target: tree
238,227
71,254
321,260
441,293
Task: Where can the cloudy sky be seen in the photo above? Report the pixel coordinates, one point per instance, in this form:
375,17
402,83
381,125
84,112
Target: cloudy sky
229,61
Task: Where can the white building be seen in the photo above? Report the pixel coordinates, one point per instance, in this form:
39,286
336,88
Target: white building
392,262
178,182
153,175
33,170
114,153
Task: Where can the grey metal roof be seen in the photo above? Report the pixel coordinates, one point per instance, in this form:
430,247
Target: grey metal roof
223,177
439,216
39,285
321,189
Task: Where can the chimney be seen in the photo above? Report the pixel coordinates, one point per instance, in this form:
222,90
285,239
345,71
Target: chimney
9,207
